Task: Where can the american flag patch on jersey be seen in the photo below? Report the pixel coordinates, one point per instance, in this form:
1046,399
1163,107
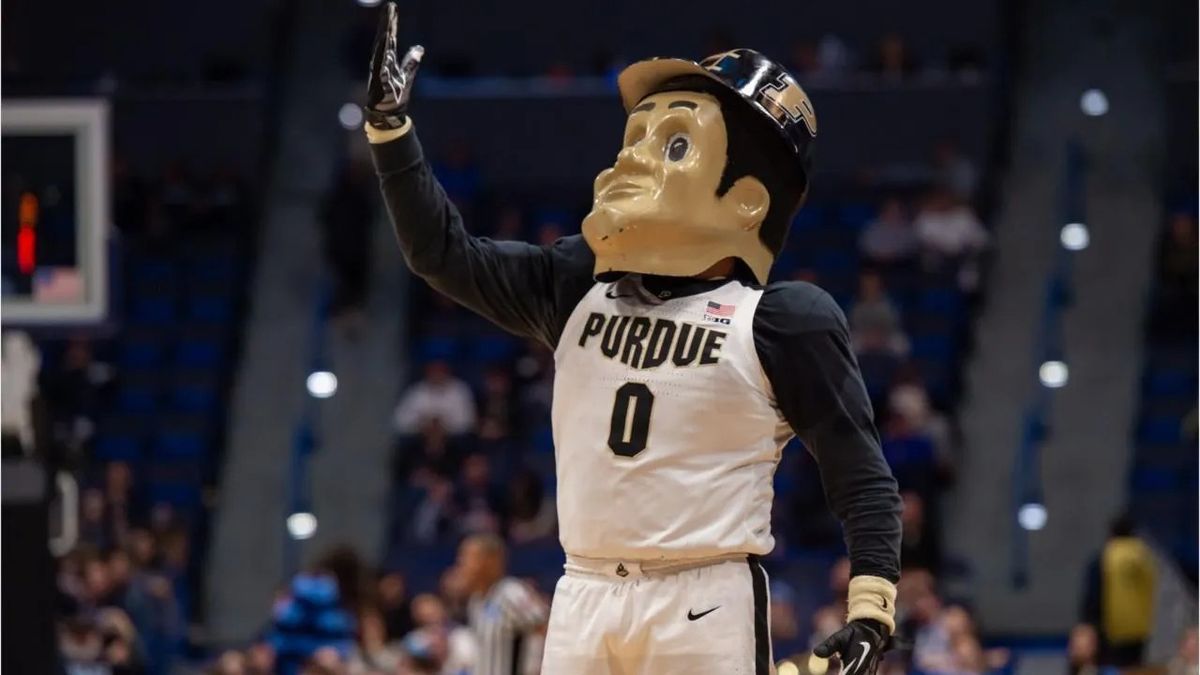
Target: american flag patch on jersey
717,309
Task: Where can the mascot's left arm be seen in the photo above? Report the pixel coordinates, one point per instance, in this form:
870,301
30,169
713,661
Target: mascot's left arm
803,343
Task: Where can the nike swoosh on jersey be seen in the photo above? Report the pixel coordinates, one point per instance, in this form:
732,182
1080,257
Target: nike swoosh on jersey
692,616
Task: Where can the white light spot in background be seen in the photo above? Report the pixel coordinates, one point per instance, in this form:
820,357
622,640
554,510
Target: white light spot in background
1053,374
350,116
1032,517
322,384
368,3
1093,103
301,525
1074,236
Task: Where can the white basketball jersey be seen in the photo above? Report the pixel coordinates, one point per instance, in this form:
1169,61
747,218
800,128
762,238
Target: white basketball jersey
665,431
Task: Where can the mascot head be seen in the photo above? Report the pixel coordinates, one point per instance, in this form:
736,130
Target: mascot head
714,165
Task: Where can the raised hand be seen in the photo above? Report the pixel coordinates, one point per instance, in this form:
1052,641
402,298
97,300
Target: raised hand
390,81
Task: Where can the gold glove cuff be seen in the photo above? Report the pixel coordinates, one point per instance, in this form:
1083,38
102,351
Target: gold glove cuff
872,598
376,136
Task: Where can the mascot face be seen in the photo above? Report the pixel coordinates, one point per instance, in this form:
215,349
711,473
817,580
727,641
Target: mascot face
656,211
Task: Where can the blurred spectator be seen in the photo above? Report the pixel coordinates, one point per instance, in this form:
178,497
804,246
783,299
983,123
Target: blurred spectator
93,526
947,228
372,654
951,237
439,394
833,56
308,618
76,392
498,412
129,197
889,238
438,643
1082,650
21,362
230,662
391,593
910,452
434,518
1186,659
829,618
804,57
531,517
429,455
178,196
459,176
225,199
347,214
1174,310
1119,596
785,628
892,58
509,225
504,612
918,544
260,659
479,503
955,172
909,400
874,321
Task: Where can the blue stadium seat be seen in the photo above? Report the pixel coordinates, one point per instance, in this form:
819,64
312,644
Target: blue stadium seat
112,446
437,348
216,309
494,348
141,354
1170,382
200,352
181,443
1159,430
138,395
855,216
195,394
937,346
153,310
811,217
186,496
940,300
151,272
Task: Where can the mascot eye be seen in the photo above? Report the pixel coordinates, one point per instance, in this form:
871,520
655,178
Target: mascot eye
677,147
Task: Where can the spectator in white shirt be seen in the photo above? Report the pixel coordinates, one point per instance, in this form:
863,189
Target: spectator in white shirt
439,394
890,237
948,228
950,233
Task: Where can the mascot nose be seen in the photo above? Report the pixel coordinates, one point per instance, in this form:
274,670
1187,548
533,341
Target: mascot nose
634,157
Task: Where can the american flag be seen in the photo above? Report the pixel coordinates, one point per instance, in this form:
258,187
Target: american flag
717,309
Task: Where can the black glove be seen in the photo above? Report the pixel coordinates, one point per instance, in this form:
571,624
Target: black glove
859,646
390,81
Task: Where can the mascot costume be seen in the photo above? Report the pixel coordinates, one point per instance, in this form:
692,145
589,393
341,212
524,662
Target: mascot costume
680,372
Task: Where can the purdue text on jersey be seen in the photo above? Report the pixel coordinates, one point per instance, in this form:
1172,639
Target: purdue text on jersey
642,343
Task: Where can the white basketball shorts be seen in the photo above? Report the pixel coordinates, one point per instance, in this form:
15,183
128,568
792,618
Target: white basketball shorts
613,617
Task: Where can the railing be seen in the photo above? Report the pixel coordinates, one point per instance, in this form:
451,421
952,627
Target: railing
1050,365
305,441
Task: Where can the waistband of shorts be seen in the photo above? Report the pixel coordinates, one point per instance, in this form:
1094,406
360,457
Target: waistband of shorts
620,569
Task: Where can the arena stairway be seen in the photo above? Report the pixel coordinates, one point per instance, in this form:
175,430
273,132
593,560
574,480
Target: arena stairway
1083,462
249,559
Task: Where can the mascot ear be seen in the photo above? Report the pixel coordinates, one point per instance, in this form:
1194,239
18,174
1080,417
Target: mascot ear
749,201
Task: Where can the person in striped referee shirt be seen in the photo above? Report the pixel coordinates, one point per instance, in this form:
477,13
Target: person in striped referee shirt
504,613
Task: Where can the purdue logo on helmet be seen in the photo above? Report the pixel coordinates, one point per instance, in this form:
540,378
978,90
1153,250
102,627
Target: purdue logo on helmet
784,98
